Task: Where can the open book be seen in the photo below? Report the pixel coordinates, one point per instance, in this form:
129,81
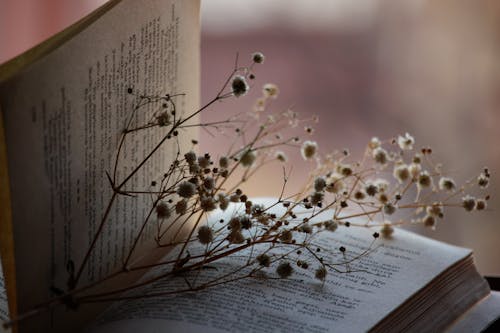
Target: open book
63,105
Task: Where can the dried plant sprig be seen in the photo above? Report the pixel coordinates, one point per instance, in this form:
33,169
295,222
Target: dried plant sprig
391,185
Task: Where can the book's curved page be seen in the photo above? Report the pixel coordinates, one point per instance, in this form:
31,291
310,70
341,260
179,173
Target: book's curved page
395,271
63,106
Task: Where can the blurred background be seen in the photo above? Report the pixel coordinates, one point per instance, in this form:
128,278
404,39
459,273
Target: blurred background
366,68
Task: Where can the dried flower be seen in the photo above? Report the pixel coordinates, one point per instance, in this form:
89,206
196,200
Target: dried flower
207,204
239,86
429,221
284,270
374,143
205,234
235,237
401,173
436,209
224,162
424,179
320,273
223,201
258,57
387,230
319,184
186,189
335,184
481,204
309,149
270,90
281,156
331,225
380,155
162,210
389,209
248,158
190,157
406,142
181,207
286,236
483,180
264,260
446,184
468,202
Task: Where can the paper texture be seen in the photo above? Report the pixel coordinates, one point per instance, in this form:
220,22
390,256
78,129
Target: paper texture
480,316
352,302
62,117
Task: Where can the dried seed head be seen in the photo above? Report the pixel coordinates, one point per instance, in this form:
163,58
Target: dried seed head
319,184
374,143
163,119
335,184
248,158
406,142
359,195
239,86
483,180
309,149
186,189
317,198
469,203
330,225
209,183
284,270
205,234
204,161
258,57
380,155
305,228
371,190
401,173
320,273
264,260
224,162
389,208
436,209
270,90
387,230
223,201
181,207
207,204
424,179
190,157
162,210
415,169
235,237
281,156
286,236
481,204
429,221
446,184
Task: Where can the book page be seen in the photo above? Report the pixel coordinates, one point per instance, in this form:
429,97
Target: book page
4,304
352,302
478,318
62,118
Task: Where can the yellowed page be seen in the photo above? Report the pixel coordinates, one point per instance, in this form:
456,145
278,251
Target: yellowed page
62,116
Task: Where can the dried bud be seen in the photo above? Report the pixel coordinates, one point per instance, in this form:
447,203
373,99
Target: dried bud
205,234
239,86
186,190
446,184
309,149
284,270
320,273
162,210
